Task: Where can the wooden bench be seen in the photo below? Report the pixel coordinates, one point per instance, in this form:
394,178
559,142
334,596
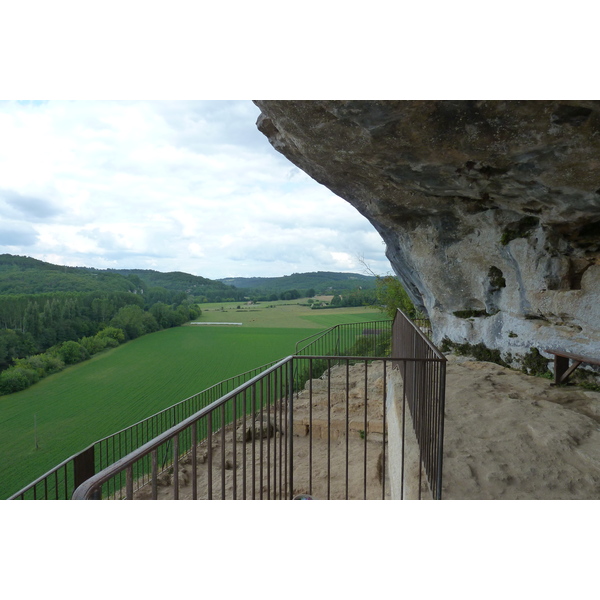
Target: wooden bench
562,370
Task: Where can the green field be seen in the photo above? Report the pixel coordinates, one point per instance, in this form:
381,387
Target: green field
284,314
115,389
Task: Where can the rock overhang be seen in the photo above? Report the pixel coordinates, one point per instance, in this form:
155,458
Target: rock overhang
466,194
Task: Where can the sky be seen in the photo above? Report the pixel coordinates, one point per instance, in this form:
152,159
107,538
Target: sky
188,186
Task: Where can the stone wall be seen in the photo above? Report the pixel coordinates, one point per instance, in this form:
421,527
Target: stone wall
405,477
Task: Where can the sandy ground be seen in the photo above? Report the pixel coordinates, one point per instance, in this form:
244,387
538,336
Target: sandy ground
513,436
507,436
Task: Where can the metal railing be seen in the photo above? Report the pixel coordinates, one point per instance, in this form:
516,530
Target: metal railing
60,482
295,428
260,434
270,439
424,385
369,338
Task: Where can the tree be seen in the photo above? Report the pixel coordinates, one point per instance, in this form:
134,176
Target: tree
134,321
392,296
290,295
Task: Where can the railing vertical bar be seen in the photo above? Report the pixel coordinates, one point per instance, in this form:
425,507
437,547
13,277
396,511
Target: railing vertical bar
176,467
384,427
310,426
419,412
244,444
129,482
270,434
347,474
291,423
154,474
403,430
195,460
329,429
284,391
435,428
281,433
209,454
261,433
223,449
118,486
253,429
275,436
366,426
234,446
442,402
66,471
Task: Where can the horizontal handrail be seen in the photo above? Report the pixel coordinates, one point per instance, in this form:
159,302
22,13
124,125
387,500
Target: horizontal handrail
318,335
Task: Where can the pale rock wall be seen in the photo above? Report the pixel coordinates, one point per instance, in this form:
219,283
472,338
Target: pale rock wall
490,210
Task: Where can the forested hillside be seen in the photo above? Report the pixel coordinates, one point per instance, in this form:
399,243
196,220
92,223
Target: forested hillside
178,281
51,316
322,282
24,275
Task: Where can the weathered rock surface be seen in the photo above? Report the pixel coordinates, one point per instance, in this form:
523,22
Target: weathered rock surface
490,210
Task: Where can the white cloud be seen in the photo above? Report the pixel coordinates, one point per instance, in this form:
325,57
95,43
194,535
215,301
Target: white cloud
186,186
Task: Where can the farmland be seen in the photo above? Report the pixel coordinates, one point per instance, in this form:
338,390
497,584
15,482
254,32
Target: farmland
117,388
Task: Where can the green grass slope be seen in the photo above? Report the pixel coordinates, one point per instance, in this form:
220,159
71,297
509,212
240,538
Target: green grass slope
120,387
284,314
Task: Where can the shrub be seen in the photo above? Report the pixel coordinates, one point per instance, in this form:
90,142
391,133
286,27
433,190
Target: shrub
93,344
112,333
16,379
42,364
72,352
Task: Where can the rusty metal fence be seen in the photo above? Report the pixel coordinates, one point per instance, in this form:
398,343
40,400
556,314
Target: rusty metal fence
60,482
296,430
311,424
369,338
269,439
424,392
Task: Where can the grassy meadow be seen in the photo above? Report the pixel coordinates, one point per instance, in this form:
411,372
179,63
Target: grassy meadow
119,387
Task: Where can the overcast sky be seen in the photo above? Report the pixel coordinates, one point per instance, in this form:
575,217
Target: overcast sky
187,186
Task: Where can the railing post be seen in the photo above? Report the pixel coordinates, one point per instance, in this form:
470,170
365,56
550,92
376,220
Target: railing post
84,468
291,425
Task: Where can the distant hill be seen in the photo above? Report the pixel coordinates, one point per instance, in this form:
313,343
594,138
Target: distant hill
175,280
25,275
323,282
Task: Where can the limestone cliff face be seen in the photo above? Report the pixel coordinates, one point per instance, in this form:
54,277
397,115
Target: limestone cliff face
490,210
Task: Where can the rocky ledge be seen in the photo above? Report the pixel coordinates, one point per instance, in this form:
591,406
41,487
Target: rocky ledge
490,210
